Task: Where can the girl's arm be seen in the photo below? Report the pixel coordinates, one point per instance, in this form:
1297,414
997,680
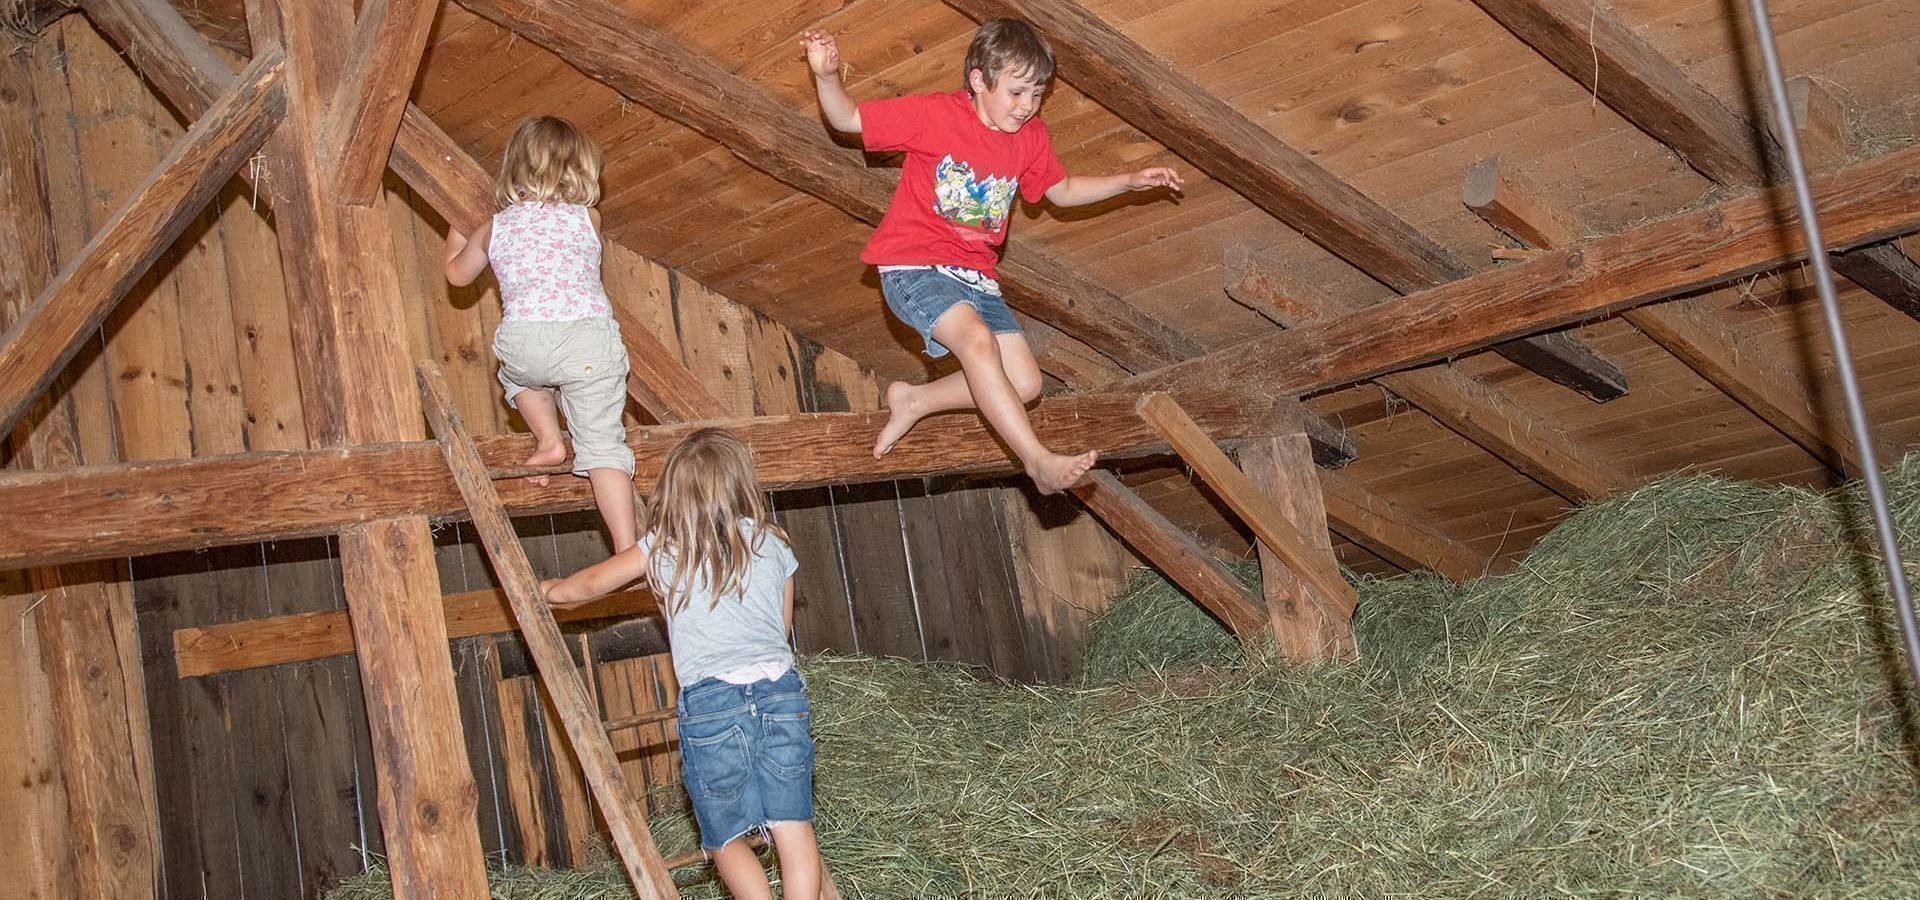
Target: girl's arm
597,580
823,57
1080,190
467,255
788,615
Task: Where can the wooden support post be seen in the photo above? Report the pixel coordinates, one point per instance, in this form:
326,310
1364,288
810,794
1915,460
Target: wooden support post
1693,330
625,818
1174,553
1303,628
33,351
366,108
1315,567
1393,533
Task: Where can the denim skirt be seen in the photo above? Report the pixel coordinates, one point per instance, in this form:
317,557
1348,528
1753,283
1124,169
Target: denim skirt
746,755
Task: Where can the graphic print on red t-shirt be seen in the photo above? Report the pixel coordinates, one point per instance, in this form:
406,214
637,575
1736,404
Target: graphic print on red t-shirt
957,184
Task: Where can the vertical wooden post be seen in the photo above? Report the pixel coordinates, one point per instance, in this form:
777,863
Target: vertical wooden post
1303,629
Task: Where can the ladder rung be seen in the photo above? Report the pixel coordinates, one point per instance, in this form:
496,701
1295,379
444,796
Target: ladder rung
645,718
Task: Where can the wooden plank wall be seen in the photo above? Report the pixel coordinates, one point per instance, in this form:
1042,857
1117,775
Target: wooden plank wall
264,787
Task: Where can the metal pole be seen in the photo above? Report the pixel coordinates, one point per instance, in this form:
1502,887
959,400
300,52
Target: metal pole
1837,332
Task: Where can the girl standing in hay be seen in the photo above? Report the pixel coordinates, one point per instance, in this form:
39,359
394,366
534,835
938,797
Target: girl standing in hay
557,335
723,575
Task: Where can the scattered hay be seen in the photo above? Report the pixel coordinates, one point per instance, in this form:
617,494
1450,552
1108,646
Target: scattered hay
1682,692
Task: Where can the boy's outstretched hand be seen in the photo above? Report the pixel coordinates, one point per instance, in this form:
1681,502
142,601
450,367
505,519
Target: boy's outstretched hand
1157,176
823,52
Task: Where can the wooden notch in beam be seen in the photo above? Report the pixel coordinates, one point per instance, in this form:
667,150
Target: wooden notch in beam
1861,204
1175,553
617,48
1692,329
619,804
1142,89
1255,508
365,113
137,508
303,637
33,351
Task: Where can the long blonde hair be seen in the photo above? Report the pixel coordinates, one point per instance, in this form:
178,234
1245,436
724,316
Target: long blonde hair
549,161
706,487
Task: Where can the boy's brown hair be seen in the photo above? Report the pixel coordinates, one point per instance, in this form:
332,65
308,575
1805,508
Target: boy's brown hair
1008,47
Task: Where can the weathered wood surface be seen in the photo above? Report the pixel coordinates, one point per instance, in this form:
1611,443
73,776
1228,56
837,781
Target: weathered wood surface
366,108
1483,414
1692,329
1390,531
619,49
33,351
1174,553
206,650
644,865
1258,510
1644,87
148,507
1862,204
1305,625
1118,73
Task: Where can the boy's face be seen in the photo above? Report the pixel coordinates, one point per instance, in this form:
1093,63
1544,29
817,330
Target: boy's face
1012,100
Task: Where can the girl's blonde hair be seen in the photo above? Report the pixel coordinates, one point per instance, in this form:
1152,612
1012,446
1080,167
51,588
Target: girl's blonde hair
706,487
549,161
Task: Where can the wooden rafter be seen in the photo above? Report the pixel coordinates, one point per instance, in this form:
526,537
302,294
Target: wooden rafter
614,46
1149,94
1861,204
132,509
1692,329
378,76
1644,87
1476,411
1174,552
1393,532
33,351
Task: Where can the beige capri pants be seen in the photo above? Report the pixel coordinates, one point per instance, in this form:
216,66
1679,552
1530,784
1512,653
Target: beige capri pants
584,362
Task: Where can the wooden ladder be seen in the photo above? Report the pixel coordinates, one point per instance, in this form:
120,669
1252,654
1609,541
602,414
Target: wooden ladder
626,819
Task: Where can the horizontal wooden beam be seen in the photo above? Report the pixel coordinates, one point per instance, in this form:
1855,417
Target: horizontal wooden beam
619,49
137,508
1861,204
51,331
303,637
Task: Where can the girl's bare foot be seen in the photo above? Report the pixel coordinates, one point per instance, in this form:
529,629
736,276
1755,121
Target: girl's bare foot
1054,473
545,455
902,413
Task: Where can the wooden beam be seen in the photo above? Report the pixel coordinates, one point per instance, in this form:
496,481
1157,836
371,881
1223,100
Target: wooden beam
1479,412
1395,533
132,509
1319,570
1304,626
1885,272
365,114
1693,330
33,351
617,48
1862,204
1151,95
31,17
1174,553
303,637
618,803
1644,87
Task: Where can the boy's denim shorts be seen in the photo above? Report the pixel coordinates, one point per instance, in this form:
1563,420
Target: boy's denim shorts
919,297
746,755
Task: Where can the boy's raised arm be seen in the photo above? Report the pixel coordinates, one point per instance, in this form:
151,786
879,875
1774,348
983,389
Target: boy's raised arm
1080,190
823,57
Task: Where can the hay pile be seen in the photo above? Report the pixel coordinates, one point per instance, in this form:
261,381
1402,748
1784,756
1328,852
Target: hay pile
1682,692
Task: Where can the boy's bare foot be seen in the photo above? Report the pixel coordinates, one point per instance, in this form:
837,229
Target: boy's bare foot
545,455
903,412
1055,473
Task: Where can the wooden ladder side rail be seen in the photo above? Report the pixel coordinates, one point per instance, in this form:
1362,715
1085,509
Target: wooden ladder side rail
1268,522
646,868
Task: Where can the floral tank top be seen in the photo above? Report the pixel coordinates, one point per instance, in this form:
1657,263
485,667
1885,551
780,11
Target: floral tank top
546,257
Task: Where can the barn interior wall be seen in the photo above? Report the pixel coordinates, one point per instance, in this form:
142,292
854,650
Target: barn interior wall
263,783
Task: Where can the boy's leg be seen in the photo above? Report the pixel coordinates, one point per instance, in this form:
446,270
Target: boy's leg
800,867
740,870
613,494
542,413
984,376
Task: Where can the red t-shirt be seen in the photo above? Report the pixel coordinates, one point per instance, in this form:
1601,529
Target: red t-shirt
957,186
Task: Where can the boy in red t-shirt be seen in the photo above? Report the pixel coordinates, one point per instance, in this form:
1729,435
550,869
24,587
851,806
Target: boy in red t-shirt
968,153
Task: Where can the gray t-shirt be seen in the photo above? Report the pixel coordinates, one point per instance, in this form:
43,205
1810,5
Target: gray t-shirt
745,628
